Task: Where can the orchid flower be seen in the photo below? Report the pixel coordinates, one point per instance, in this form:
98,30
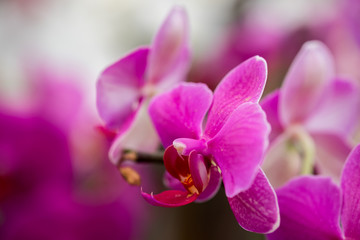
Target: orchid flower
311,206
312,117
38,191
48,159
34,154
125,88
230,146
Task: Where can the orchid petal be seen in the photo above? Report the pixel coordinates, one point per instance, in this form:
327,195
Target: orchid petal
198,170
309,209
245,83
256,209
280,153
129,139
213,185
350,186
118,88
56,98
304,84
170,198
331,153
107,133
270,105
169,58
175,164
351,10
180,112
239,146
338,110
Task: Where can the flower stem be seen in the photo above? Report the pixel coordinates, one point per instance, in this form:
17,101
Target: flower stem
128,172
141,157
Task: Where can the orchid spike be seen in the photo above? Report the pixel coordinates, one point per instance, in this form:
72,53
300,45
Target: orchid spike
312,117
125,88
311,206
230,146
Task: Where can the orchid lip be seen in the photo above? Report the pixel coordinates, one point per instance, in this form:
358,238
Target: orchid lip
199,167
220,136
193,171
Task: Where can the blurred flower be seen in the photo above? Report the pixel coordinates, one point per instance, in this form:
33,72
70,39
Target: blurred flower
56,181
312,117
34,154
274,34
310,206
125,88
351,13
232,145
37,188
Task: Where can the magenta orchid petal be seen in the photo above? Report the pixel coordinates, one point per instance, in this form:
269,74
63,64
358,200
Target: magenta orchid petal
245,83
213,185
350,186
270,104
180,112
239,146
309,209
141,125
256,209
303,86
169,58
331,153
118,88
338,110
198,170
169,198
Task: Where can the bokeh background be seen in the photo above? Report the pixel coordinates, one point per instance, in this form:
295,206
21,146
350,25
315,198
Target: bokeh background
55,179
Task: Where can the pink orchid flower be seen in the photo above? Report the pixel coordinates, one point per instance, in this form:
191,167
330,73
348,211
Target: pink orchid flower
49,153
229,145
125,88
312,117
312,207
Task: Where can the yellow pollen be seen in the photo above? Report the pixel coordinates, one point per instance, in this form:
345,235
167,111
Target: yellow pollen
189,184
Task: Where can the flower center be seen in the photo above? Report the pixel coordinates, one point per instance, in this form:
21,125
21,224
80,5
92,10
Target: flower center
193,171
188,183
